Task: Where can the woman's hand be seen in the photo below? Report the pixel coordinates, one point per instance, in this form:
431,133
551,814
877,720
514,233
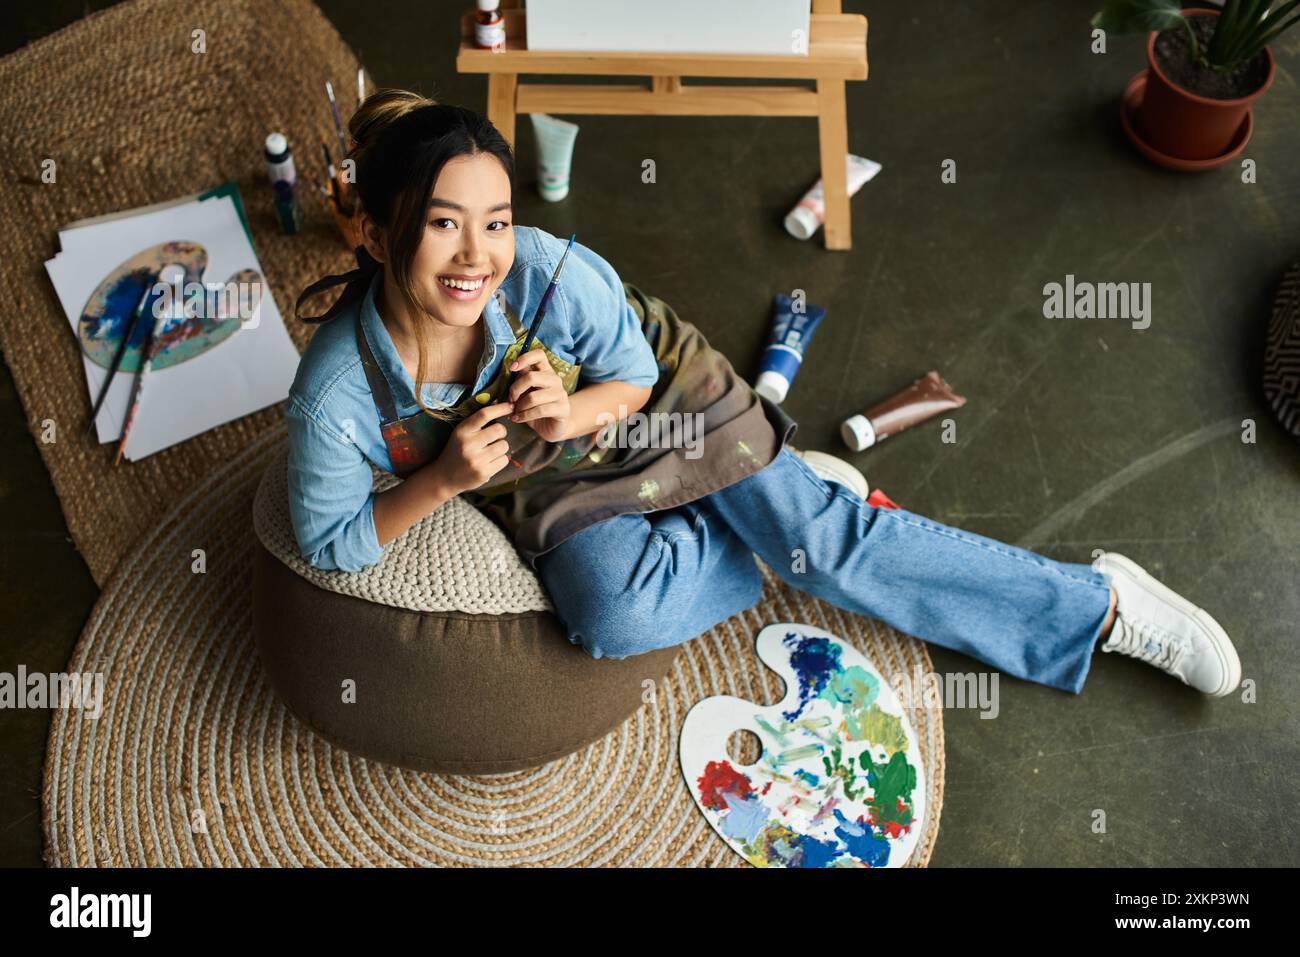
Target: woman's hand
475,451
538,396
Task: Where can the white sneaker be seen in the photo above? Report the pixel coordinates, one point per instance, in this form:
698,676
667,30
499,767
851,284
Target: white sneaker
1156,625
833,469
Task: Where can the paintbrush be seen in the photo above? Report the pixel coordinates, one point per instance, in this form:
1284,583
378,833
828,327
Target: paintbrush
117,359
541,306
332,191
537,321
172,275
338,120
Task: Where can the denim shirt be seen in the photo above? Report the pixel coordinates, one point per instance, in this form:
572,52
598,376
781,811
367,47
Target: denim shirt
333,424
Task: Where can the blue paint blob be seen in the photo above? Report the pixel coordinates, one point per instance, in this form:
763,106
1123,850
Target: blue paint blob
862,841
745,817
815,661
807,776
812,852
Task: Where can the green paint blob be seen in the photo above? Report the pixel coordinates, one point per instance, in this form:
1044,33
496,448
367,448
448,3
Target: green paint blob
890,782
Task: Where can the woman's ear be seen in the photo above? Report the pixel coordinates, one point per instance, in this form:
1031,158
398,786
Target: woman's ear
372,237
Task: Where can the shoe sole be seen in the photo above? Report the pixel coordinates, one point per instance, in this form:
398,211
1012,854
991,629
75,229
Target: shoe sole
1218,638
831,469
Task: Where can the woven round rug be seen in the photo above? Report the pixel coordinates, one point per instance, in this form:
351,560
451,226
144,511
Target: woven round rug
194,762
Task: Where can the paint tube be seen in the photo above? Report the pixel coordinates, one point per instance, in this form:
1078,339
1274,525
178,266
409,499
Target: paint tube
880,500
554,155
791,332
926,397
807,217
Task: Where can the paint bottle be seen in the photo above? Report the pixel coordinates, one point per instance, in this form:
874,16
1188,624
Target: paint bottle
280,171
286,207
489,25
279,160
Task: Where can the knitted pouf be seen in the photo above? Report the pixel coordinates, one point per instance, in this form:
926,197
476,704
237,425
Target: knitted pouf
443,656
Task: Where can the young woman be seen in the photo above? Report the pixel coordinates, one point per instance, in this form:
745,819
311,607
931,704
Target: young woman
638,547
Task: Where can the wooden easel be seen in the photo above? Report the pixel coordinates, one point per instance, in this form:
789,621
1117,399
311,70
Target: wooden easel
837,51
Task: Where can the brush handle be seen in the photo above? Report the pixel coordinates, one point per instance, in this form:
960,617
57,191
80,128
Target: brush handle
136,393
537,318
171,274
117,361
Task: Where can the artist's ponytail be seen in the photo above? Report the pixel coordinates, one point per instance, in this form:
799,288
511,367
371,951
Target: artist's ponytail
376,113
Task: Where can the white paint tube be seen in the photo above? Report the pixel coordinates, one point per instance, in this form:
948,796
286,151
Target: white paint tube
807,217
554,155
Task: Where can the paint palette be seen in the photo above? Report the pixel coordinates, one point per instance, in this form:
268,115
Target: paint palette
111,306
840,781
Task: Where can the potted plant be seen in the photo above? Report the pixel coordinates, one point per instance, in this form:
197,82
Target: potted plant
1206,68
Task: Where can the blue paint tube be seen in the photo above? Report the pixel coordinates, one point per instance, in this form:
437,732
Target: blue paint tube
791,333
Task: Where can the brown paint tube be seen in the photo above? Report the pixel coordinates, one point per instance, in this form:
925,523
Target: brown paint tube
924,398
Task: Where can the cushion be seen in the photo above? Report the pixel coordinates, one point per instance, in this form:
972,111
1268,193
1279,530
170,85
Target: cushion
444,656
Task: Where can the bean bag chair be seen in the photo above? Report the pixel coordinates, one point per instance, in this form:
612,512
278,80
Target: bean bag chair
445,656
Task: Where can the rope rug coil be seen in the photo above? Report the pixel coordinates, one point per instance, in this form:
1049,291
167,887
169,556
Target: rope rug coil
194,762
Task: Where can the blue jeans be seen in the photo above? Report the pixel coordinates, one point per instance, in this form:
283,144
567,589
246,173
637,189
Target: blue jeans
638,582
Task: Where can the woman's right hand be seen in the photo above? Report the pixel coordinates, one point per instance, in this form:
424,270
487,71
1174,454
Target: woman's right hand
475,451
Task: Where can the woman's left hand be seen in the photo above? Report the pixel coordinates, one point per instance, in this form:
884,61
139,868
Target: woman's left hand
539,396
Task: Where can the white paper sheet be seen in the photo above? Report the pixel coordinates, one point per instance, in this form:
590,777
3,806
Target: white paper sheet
247,371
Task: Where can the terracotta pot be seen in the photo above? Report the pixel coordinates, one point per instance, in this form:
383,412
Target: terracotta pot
1182,124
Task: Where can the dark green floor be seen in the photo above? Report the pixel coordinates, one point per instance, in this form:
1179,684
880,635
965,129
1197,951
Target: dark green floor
1077,435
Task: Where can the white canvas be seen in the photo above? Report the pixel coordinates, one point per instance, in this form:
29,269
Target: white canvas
669,26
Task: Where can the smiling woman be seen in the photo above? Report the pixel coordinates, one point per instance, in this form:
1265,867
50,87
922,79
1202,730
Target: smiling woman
442,263
448,254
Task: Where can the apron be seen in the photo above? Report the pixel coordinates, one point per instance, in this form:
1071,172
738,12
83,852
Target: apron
415,440
560,488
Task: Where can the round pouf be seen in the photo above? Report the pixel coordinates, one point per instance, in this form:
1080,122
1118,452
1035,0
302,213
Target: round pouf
444,656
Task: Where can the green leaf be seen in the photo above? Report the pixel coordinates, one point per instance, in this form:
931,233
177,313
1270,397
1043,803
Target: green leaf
1268,37
1138,16
1244,28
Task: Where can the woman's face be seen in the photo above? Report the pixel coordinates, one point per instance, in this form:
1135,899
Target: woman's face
469,238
